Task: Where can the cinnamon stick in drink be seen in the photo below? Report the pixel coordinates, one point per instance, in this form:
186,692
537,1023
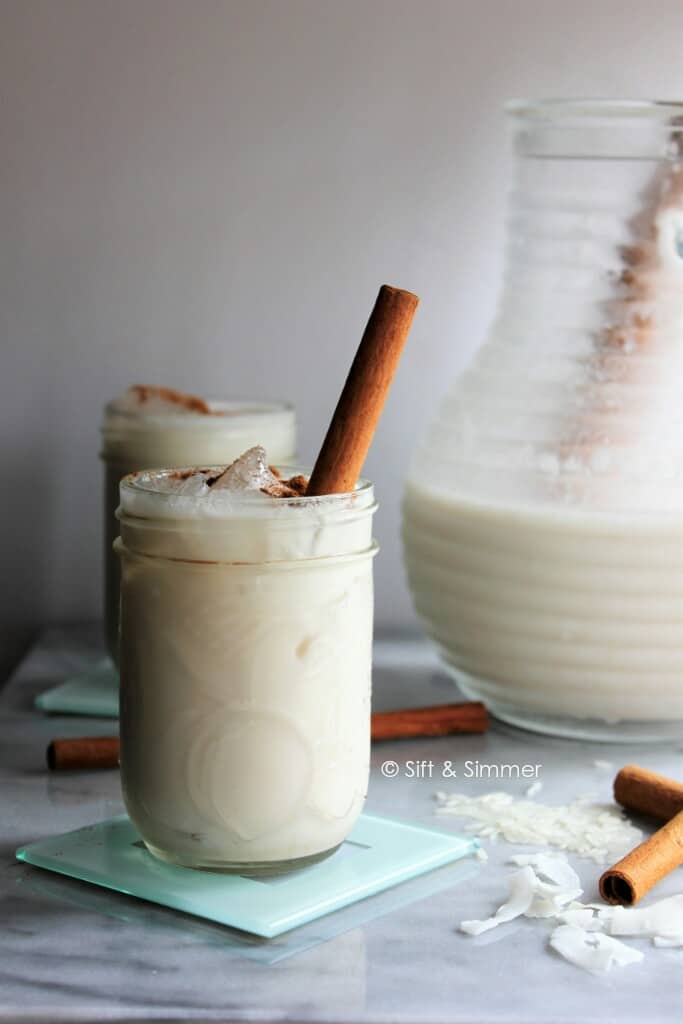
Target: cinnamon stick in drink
350,433
439,720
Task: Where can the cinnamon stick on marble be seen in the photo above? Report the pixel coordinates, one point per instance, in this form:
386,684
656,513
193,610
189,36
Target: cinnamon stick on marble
629,879
634,875
440,720
648,793
83,752
350,433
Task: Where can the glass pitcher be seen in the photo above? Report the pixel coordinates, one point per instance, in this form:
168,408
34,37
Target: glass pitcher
543,515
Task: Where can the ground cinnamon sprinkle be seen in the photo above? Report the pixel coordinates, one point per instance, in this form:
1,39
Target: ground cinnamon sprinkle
145,392
185,474
298,484
295,487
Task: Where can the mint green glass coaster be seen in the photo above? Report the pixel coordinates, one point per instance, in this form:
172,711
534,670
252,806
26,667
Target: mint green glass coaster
379,853
93,692
162,922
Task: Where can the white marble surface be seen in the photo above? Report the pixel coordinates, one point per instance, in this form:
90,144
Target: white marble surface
72,952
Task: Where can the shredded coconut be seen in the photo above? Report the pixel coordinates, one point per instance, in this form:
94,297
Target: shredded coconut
600,832
593,951
580,917
546,886
662,920
522,893
664,943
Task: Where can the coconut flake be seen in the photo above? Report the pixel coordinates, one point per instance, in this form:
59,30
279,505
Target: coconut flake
556,883
600,832
580,917
663,943
544,885
593,951
522,893
533,790
662,920
553,867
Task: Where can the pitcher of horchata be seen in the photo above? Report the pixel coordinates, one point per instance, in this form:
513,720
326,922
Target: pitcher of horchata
543,517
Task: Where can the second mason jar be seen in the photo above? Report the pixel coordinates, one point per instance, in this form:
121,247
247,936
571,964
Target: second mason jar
246,642
136,438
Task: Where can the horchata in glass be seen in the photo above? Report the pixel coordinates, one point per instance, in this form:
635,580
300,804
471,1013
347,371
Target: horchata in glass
246,643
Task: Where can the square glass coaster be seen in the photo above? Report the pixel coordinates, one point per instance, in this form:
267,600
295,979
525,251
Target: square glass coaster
163,923
92,692
379,853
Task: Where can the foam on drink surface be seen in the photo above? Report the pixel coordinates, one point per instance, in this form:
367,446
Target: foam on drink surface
249,474
206,491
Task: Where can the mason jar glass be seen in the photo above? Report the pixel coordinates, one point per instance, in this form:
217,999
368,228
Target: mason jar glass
543,516
135,439
245,661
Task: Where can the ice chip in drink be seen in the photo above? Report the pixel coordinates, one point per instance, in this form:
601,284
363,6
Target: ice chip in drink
249,472
188,483
193,486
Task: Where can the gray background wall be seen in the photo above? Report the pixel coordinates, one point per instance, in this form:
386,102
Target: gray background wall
208,193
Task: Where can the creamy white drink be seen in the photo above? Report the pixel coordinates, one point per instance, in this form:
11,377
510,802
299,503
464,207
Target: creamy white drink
543,518
552,613
147,427
246,631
